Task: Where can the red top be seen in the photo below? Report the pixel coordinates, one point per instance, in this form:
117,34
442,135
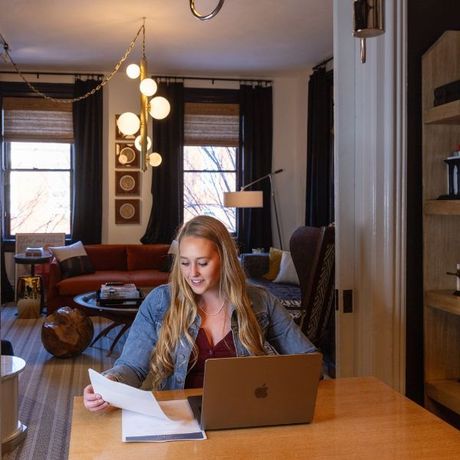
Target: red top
223,349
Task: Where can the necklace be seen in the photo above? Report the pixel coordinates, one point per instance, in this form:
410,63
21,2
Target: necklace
212,314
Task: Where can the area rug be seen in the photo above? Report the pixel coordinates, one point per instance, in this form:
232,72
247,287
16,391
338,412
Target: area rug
48,385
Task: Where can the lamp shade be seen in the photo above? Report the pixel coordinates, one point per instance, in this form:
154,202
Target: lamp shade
243,199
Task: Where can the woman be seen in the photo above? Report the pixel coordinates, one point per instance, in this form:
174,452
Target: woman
207,310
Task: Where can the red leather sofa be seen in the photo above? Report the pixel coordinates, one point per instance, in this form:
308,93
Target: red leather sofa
145,265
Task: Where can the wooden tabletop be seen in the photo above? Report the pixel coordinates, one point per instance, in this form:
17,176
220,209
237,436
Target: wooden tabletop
355,418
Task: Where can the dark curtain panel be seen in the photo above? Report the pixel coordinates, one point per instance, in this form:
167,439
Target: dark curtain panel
167,179
7,292
256,125
320,150
87,205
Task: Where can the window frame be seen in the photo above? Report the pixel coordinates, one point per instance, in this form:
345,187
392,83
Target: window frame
7,170
217,96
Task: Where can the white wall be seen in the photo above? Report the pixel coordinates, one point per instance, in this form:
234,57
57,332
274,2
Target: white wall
290,98
121,95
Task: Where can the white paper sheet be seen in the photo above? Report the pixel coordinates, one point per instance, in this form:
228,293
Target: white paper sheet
126,397
142,428
144,419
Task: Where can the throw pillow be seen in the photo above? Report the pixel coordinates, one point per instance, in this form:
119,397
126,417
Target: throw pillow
73,260
273,263
287,273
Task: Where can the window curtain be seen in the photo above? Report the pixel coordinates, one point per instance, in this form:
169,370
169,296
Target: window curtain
87,205
320,150
167,179
256,125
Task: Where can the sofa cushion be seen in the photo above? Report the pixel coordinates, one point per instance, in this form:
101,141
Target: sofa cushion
274,263
146,256
73,259
89,282
107,256
287,273
144,278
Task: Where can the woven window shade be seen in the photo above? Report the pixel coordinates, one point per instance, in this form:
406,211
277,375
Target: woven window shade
37,119
211,124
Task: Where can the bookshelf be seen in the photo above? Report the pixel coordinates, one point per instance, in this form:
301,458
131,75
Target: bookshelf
441,232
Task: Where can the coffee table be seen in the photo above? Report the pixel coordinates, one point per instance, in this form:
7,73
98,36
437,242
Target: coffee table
121,314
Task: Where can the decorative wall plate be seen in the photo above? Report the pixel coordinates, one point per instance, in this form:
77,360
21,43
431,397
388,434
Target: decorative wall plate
127,183
128,153
126,156
127,211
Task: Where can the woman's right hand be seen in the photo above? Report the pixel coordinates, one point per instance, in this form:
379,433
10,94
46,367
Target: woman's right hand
93,401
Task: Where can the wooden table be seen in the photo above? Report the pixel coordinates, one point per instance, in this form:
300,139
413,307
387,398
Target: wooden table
356,418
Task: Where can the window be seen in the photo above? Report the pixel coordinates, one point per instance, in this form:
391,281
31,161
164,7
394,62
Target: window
38,178
37,165
211,159
209,171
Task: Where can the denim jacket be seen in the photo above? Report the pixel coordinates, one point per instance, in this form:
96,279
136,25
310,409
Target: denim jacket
281,336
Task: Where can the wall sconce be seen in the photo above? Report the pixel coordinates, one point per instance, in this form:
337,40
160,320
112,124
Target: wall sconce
367,22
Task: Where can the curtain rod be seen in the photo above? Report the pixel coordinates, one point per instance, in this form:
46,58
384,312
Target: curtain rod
38,73
322,63
172,77
240,80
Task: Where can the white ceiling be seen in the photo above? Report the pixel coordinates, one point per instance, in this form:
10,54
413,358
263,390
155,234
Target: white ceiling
247,37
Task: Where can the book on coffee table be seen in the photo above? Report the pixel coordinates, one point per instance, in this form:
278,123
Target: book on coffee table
112,293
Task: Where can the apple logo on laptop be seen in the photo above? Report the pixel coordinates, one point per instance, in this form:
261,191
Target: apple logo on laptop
261,392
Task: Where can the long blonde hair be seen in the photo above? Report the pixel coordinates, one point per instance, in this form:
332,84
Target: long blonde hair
183,308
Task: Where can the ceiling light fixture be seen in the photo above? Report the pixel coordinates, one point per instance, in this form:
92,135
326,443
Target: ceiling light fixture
158,107
205,17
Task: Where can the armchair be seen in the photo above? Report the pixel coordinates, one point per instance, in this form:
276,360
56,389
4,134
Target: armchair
313,254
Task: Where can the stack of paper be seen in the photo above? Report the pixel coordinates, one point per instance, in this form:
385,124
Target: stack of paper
143,417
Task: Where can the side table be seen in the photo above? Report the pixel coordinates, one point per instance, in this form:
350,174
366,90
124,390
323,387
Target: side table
122,314
13,431
30,290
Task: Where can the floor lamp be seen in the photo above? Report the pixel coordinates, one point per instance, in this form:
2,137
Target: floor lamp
253,199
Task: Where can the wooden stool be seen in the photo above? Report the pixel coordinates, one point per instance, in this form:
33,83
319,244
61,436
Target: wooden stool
13,431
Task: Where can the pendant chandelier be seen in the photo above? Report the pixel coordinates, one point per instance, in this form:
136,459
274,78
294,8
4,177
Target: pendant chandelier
158,107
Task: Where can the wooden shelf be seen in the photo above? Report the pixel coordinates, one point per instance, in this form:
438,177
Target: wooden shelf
446,114
442,207
445,392
443,300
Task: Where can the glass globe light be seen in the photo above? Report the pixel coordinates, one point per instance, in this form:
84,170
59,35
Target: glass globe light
148,87
128,123
159,107
155,159
137,143
133,71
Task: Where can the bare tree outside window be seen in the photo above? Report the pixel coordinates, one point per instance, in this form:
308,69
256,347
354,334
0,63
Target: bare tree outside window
209,171
39,175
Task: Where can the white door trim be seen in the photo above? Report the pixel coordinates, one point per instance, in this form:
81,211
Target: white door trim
370,174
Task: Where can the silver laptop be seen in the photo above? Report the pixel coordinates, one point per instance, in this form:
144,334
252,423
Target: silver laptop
258,391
